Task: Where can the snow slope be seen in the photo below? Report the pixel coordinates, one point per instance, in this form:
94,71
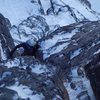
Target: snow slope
95,5
81,8
17,10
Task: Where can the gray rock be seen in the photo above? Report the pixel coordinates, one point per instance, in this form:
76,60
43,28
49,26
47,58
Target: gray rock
7,94
6,41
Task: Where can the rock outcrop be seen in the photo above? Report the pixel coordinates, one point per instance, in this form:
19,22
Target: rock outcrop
6,41
77,51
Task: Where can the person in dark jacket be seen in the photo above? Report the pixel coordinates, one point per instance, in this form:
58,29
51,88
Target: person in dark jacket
26,49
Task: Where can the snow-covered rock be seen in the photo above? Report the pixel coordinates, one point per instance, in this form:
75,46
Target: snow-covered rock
6,41
58,72
62,12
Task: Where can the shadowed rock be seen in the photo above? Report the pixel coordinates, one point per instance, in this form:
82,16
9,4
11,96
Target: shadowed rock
6,41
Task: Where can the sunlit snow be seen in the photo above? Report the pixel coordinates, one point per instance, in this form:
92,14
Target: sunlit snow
17,10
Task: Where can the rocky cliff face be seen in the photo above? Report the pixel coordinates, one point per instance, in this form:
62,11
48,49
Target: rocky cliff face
61,12
26,78
61,69
6,41
79,49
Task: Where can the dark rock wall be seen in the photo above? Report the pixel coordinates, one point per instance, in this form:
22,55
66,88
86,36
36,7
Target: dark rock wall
93,73
5,37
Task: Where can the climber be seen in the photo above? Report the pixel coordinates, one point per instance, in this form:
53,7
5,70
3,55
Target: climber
29,48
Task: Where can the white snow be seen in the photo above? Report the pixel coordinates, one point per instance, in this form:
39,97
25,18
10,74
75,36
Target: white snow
74,72
82,84
12,63
17,10
62,19
45,5
97,52
89,88
21,38
3,56
95,5
38,69
81,8
25,92
93,44
75,53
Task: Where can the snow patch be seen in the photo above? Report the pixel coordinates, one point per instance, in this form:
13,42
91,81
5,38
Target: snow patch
75,53
25,92
97,52
82,9
38,69
81,84
45,4
95,5
62,19
12,63
3,56
17,10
